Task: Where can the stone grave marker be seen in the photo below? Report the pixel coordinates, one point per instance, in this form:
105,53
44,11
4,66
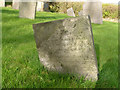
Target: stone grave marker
15,4
80,13
67,46
40,6
94,9
2,3
46,7
70,12
27,10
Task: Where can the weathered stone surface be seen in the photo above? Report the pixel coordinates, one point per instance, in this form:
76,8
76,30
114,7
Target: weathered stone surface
15,4
40,6
80,13
70,12
27,10
2,3
94,9
67,46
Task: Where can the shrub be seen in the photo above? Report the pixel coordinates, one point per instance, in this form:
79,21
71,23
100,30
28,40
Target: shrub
108,10
8,3
63,6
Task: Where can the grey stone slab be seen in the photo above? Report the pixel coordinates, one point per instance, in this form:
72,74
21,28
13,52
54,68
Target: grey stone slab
40,6
70,12
27,10
94,9
2,3
67,46
80,13
15,4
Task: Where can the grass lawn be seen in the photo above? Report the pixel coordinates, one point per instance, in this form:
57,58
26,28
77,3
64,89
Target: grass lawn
21,67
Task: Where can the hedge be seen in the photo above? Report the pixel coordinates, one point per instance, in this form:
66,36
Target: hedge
109,10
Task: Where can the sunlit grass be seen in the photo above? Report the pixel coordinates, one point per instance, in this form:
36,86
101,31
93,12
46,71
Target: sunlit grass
21,66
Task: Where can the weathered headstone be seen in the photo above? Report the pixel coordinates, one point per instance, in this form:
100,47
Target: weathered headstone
94,9
2,3
15,4
80,13
27,10
40,6
67,46
70,12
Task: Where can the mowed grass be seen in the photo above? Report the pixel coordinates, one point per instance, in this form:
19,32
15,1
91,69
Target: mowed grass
21,67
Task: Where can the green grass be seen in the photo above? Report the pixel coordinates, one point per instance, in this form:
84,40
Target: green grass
21,67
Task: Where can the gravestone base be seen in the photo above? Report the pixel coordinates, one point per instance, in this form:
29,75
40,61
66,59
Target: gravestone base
67,46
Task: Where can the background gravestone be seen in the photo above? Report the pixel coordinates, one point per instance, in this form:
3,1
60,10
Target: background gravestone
80,13
15,4
67,46
70,12
46,6
40,6
2,3
94,9
27,10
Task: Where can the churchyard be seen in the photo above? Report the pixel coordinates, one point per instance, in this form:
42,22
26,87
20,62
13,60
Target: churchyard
23,51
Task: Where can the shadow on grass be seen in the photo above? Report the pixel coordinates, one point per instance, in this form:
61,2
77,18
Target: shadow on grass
97,49
108,76
51,17
19,39
10,11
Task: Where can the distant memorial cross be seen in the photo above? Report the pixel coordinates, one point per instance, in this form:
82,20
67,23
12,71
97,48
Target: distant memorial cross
94,9
70,12
27,10
67,46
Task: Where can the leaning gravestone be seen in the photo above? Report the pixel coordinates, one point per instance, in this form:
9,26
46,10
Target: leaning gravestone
70,12
2,3
27,10
15,4
67,46
94,9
